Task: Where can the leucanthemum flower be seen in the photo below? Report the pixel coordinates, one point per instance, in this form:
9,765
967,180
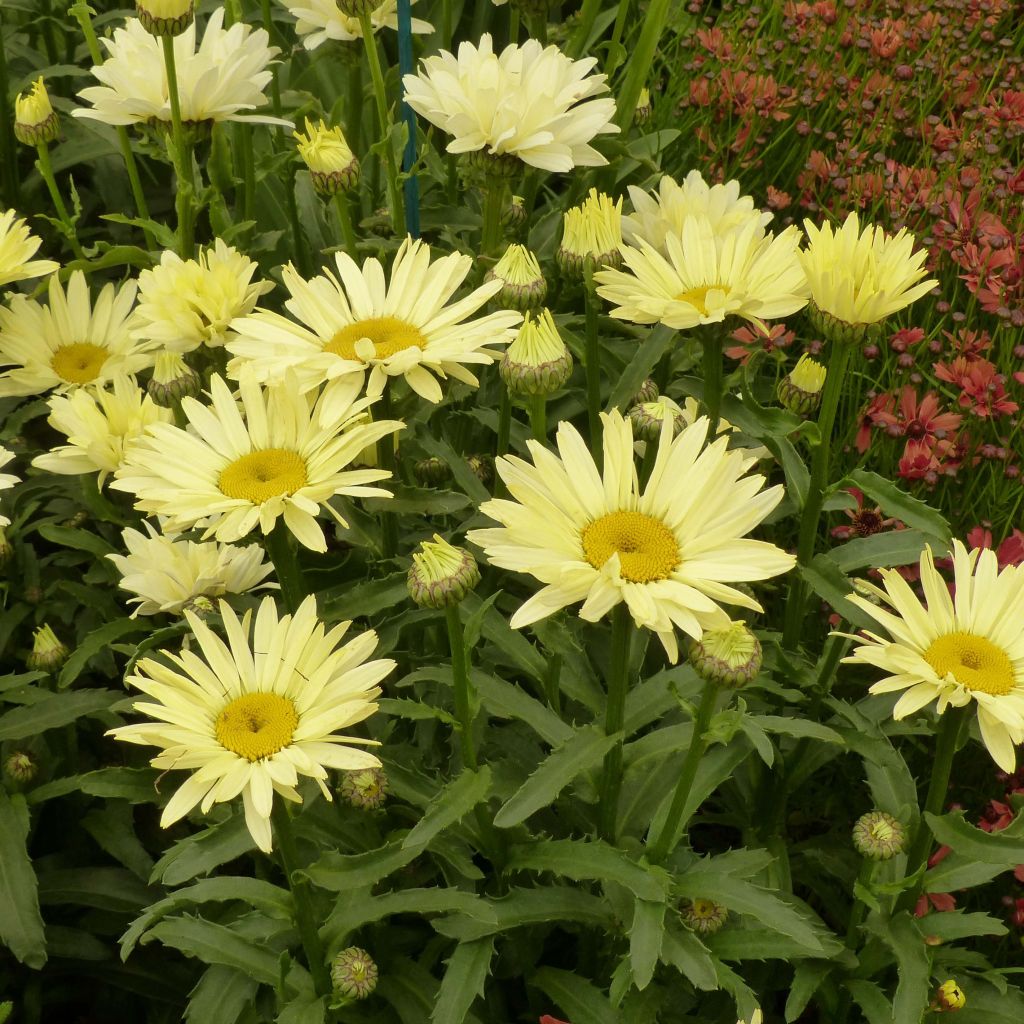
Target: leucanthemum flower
187,303
101,427
358,322
17,247
952,650
529,102
251,715
861,277
320,20
708,276
167,573
221,80
274,453
661,213
7,480
71,341
669,550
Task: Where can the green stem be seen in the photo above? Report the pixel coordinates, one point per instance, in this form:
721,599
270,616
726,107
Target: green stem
281,548
592,360
641,59
513,23
504,421
304,917
490,237
345,218
673,828
46,171
588,15
460,681
386,457
384,120
181,155
354,106
712,366
552,679
614,718
539,417
811,516
858,908
248,174
620,24
8,147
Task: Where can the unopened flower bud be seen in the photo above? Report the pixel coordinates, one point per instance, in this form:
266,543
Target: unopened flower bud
482,467
537,362
730,657
648,393
800,390
879,836
833,329
35,121
172,380
21,767
949,996
165,17
432,471
485,169
514,215
703,916
591,235
522,284
200,606
365,788
354,8
648,417
354,973
441,575
332,165
644,108
48,653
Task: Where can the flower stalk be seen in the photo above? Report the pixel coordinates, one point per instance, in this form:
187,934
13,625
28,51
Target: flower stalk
494,195
592,357
281,549
614,718
182,157
538,407
712,365
345,220
46,172
460,683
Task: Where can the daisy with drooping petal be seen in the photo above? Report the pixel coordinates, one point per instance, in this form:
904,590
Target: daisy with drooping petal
320,20
250,716
7,480
669,550
17,247
166,574
707,276
71,341
662,213
222,80
358,322
243,464
101,427
530,102
187,303
953,649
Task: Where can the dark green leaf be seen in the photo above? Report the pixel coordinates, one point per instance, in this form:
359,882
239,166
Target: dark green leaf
463,981
833,586
342,872
359,600
576,997
681,949
807,978
217,944
80,540
503,700
896,502
646,357
413,710
103,888
903,936
645,938
54,711
1005,847
957,872
21,925
958,924
96,643
882,550
204,851
136,785
221,995
799,727
874,1005
451,804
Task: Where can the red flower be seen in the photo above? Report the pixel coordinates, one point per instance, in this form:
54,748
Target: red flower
548,1019
920,421
982,387
871,417
1010,552
752,338
863,521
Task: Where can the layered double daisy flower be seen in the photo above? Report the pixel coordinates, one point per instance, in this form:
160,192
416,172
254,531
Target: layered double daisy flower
273,453
358,322
320,20
670,550
952,649
251,716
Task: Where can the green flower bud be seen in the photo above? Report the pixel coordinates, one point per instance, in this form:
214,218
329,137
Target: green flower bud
949,997
165,17
522,284
648,417
6,548
332,165
648,393
838,331
355,8
591,235
537,362
484,169
730,657
48,653
482,467
432,471
703,916
644,108
879,836
172,381
441,575
354,973
21,767
35,121
366,788
514,215
800,390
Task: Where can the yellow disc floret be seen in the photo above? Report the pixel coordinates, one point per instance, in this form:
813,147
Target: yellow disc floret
375,338
973,661
79,363
262,475
257,725
646,547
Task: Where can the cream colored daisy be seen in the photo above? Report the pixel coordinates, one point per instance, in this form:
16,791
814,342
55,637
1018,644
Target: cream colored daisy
358,322
669,551
166,573
320,20
7,480
861,277
187,303
250,716
273,453
101,427
662,213
952,649
69,342
221,80
530,102
708,276
17,247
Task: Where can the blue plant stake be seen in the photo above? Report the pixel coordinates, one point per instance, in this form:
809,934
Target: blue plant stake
412,184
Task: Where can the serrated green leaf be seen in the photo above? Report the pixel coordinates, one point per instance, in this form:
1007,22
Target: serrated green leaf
425,501
681,949
214,943
645,938
957,872
807,978
576,997
874,1005
21,924
896,502
221,995
903,936
96,643
136,785
833,586
360,600
882,550
585,750
80,540
958,924
340,872
206,850
463,981
104,888
503,700
414,710
55,711
450,805
799,727
1005,847
112,827
646,357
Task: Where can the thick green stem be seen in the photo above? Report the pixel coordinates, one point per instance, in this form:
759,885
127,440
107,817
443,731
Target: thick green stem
460,682
46,171
858,907
620,23
345,219
490,237
504,421
810,518
673,828
386,458
614,718
592,360
8,147
588,15
281,548
712,366
539,417
181,155
641,59
383,120
304,917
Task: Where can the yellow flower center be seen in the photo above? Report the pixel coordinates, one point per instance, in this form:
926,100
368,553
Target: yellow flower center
79,363
260,476
376,338
704,909
257,725
646,547
698,297
973,662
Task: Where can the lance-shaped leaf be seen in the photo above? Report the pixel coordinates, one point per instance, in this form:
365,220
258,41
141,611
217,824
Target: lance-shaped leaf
21,925
1003,847
450,805
463,981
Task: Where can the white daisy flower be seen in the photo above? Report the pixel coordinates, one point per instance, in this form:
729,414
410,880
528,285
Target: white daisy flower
7,480
320,20
17,247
